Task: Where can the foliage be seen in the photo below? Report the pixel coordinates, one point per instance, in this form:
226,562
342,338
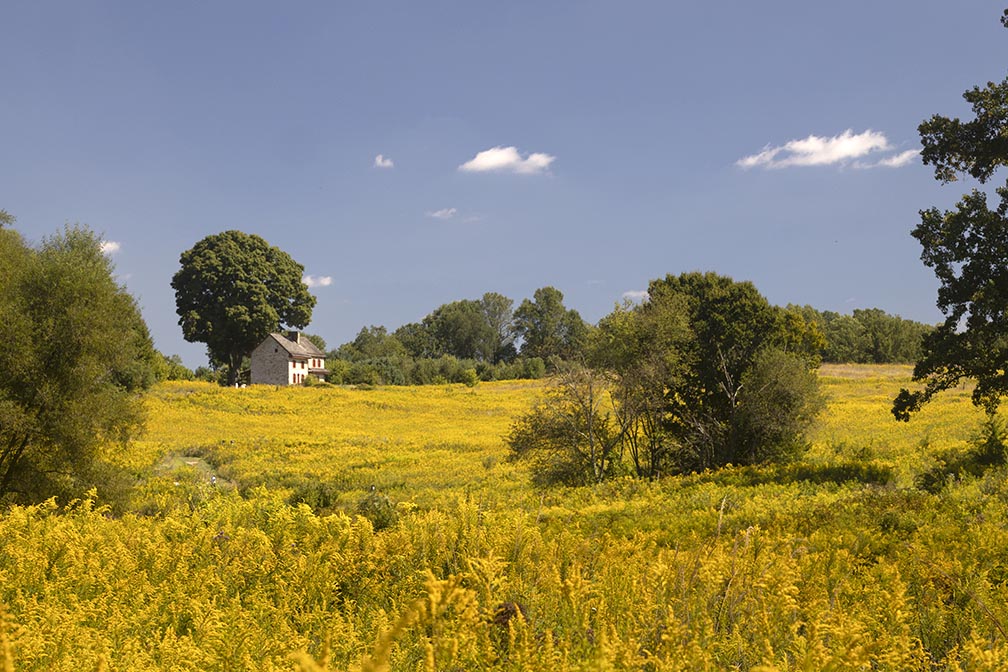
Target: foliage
720,401
779,400
968,250
205,373
644,349
379,509
866,336
479,330
548,329
76,351
370,343
347,367
171,368
702,374
988,451
460,329
232,290
571,436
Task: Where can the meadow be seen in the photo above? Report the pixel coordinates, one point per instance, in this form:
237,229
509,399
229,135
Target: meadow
332,528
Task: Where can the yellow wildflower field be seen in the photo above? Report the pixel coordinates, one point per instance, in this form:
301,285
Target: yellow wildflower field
247,544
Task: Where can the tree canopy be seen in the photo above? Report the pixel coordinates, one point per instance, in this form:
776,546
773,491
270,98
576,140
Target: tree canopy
233,289
725,389
703,373
547,328
968,250
75,351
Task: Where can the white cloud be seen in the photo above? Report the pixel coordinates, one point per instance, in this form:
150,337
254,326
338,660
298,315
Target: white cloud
636,294
110,247
507,160
443,213
901,159
383,162
317,281
821,151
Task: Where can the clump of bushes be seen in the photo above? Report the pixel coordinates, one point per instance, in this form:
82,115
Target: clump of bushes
988,451
405,370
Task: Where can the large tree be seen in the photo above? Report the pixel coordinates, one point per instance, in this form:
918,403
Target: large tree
968,249
232,290
460,329
76,351
547,328
720,397
703,373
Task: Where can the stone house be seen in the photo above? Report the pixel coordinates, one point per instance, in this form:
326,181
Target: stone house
286,359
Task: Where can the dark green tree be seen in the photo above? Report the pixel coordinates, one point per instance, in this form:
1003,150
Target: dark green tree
968,249
498,311
371,343
233,290
76,352
548,329
711,404
846,338
703,373
480,330
418,340
460,329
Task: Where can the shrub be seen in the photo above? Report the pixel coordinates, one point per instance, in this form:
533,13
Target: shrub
988,451
379,509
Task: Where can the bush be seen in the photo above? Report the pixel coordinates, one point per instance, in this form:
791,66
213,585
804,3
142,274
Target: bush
469,377
570,438
379,509
988,451
780,399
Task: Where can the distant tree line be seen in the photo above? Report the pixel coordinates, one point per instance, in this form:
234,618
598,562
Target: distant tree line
484,339
866,336
466,341
233,289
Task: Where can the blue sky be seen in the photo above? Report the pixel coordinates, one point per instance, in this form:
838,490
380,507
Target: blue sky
591,146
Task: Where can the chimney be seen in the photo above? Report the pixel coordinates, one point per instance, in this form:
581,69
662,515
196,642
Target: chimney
294,336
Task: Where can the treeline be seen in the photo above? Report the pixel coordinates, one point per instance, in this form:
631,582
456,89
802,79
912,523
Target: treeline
867,336
464,342
486,339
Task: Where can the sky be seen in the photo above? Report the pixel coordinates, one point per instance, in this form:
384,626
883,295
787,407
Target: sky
409,154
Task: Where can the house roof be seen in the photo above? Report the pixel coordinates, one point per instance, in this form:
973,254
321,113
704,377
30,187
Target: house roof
310,348
304,349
